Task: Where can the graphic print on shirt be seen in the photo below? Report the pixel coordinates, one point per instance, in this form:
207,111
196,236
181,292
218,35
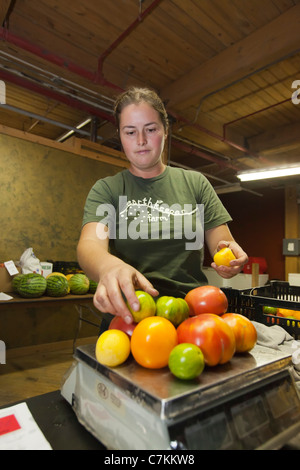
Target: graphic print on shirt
148,219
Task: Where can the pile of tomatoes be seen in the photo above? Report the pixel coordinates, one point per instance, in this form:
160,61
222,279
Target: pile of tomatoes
217,334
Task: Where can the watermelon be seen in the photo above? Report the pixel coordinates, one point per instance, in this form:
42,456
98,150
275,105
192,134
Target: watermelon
57,286
93,286
32,285
16,281
79,284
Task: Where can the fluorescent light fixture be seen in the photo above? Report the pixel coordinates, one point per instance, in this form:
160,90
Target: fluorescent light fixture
279,172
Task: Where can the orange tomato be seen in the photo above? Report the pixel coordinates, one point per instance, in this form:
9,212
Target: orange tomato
244,331
152,341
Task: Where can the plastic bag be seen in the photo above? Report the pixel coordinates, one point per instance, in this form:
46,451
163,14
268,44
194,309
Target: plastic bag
30,263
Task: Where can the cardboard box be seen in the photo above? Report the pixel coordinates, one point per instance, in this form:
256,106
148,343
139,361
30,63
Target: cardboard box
6,279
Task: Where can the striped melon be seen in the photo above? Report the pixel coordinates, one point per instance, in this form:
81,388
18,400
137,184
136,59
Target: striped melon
32,285
79,284
16,281
57,286
93,286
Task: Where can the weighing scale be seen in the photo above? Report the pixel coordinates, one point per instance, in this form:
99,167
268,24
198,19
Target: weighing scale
249,403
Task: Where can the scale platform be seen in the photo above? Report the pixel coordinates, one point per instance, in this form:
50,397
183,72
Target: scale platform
249,403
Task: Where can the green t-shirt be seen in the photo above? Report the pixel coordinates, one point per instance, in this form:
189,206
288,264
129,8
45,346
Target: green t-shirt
157,224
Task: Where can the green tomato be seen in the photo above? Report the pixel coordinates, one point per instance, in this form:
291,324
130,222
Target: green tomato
147,306
186,361
173,309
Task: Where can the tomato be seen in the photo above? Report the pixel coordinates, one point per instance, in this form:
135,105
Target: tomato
211,334
186,361
269,310
223,257
287,313
112,348
174,309
206,299
152,341
119,324
244,331
147,306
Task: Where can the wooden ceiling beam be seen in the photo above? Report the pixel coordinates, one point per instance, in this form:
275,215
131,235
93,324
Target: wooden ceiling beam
266,45
279,138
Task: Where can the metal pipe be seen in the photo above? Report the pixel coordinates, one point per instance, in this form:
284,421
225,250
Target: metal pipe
45,119
114,45
194,151
252,114
73,102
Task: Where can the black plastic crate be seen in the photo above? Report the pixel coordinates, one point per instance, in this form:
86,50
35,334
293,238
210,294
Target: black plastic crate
278,294
66,267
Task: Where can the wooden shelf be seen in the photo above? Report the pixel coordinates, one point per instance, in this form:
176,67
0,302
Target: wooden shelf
69,298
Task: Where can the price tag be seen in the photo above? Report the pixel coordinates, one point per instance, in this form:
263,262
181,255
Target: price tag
11,267
8,424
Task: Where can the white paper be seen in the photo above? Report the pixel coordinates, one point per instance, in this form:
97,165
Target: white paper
28,436
11,267
4,296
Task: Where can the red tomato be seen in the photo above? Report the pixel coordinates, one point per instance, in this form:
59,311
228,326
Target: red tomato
211,334
206,299
244,331
118,323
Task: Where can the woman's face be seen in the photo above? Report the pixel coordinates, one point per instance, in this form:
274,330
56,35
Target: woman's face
142,136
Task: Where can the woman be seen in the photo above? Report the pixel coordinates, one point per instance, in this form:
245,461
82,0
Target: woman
144,228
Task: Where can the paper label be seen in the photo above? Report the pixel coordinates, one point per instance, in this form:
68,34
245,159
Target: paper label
11,267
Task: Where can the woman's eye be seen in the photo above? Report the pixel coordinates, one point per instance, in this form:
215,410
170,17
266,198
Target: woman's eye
151,129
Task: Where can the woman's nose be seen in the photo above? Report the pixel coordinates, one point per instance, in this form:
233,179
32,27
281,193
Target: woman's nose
141,138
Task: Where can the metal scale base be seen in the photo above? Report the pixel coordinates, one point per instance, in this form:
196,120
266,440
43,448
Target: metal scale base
249,403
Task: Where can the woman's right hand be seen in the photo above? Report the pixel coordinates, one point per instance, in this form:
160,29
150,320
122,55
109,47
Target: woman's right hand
115,280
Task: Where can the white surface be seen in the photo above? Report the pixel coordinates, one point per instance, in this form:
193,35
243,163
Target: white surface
294,279
28,436
240,281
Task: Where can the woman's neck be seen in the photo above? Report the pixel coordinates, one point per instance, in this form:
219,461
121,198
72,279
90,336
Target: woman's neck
156,170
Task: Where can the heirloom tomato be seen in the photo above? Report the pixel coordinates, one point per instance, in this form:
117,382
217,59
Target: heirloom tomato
186,361
119,323
211,334
287,313
147,306
244,331
223,257
152,341
206,299
174,309
112,348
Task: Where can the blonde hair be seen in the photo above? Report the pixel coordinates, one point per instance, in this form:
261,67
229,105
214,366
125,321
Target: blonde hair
135,95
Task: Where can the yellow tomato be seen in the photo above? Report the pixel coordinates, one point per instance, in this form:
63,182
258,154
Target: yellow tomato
112,348
223,257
